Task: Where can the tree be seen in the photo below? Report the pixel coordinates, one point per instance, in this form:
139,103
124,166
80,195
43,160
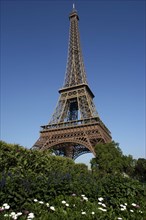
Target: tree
140,169
128,165
108,158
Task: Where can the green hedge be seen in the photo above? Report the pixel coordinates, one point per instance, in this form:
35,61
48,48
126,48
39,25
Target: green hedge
26,175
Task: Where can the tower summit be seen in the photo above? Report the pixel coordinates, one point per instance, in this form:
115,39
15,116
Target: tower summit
75,127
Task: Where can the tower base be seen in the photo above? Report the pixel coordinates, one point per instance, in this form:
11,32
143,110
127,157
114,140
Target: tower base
74,138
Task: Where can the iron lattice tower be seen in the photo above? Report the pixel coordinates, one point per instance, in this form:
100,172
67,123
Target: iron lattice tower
75,127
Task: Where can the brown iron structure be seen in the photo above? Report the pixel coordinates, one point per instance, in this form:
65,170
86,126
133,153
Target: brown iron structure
75,127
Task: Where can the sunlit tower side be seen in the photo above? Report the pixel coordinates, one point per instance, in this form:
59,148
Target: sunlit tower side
75,127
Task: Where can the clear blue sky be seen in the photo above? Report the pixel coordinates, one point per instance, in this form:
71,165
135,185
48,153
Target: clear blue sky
34,43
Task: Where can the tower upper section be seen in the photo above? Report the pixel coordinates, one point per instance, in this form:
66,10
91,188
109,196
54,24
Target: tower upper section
75,71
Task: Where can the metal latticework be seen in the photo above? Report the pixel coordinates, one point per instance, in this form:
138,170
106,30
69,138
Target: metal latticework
75,71
75,127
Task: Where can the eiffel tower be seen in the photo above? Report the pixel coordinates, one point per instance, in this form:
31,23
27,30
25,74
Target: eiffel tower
75,127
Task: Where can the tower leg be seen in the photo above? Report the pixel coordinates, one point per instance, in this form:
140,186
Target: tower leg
69,151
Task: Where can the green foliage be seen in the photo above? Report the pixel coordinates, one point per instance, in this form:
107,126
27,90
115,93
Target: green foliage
29,174
78,207
110,160
128,165
140,169
118,189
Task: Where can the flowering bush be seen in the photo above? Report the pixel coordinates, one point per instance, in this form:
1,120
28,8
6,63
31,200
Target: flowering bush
74,207
37,185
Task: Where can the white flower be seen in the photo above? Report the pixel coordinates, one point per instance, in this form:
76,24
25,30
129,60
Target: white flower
119,218
12,213
92,213
19,213
47,204
6,215
123,207
103,205
30,215
67,204
104,210
41,202
52,208
131,210
100,199
7,207
85,198
63,202
5,204
73,194
100,203
100,208
82,195
125,203
83,213
35,200
133,204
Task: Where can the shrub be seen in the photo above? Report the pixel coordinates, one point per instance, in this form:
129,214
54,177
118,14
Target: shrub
30,174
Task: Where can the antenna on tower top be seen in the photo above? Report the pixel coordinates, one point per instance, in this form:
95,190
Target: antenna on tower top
73,6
